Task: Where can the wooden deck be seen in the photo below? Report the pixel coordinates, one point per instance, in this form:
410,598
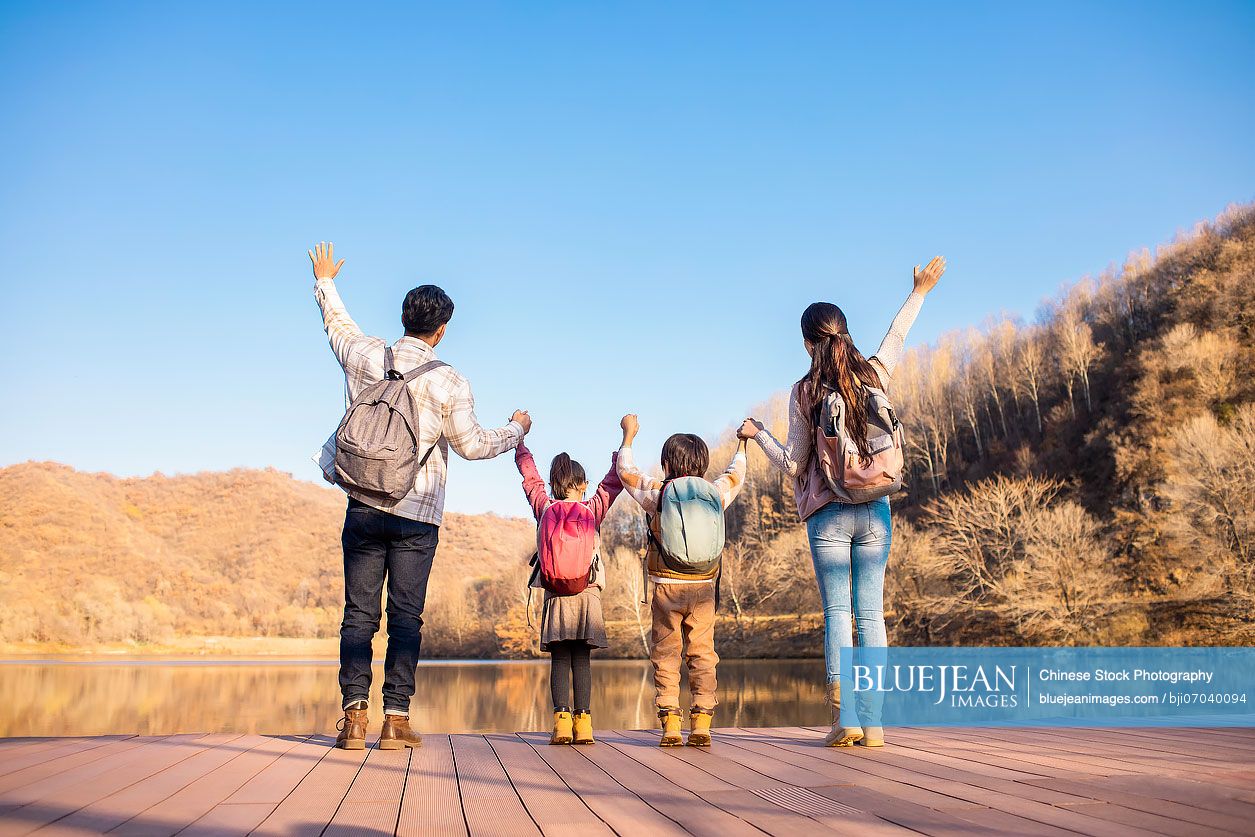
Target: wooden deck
777,781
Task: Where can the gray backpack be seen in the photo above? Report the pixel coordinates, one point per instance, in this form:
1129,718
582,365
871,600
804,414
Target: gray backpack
377,440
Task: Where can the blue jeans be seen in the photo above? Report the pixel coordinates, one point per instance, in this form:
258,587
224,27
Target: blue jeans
379,546
850,547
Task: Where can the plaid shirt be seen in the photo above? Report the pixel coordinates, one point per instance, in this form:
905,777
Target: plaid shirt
447,418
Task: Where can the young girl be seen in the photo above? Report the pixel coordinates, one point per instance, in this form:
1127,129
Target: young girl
570,626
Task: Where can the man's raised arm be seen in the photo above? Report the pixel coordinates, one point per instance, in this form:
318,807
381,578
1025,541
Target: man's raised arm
342,332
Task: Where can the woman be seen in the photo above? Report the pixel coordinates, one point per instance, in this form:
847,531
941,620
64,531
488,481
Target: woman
849,542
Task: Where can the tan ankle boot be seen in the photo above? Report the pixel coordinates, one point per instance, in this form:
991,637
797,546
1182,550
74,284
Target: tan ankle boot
839,736
699,727
562,728
670,728
583,728
352,727
397,733
873,737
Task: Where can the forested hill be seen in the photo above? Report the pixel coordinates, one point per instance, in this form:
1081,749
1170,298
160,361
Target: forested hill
1086,477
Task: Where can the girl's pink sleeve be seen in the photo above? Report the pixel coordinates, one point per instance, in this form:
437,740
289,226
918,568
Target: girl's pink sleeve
608,490
533,485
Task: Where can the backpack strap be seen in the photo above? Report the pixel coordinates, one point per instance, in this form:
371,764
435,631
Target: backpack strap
422,370
389,367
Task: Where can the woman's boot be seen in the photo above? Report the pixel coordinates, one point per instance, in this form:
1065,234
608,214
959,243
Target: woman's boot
839,736
583,728
670,728
562,727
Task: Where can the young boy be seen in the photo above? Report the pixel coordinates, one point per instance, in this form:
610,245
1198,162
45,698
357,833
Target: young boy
683,563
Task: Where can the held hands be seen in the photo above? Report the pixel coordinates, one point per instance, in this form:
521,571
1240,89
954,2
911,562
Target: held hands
524,419
748,429
323,257
630,425
926,279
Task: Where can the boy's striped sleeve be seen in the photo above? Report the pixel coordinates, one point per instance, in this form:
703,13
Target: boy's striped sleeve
732,480
643,488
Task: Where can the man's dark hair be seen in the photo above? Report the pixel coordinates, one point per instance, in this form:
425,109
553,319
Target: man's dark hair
684,455
426,308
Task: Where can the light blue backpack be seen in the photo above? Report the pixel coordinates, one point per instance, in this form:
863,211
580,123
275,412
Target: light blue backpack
690,526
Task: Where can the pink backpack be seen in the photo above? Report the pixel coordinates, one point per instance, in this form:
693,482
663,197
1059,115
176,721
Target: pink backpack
566,543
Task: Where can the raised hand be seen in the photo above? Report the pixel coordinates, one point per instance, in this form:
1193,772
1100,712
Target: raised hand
524,419
323,257
749,429
926,279
630,425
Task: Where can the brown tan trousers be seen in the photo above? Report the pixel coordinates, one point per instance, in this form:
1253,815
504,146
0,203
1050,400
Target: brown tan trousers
684,625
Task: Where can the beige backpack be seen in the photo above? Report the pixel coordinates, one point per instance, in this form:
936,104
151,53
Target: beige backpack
854,480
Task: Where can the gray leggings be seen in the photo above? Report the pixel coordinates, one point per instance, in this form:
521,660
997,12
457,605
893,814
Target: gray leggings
570,661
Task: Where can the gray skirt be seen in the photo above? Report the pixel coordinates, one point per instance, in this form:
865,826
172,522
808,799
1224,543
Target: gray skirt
573,617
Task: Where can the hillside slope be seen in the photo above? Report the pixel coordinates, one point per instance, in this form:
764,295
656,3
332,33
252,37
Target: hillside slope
90,558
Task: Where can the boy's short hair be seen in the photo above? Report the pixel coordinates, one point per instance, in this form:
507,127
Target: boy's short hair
685,455
425,309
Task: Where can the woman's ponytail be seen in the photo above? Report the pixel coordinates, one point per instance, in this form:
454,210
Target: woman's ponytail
838,365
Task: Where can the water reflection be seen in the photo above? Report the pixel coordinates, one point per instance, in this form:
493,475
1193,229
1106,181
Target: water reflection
157,697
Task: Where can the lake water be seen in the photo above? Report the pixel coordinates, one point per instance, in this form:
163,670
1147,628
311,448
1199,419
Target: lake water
161,696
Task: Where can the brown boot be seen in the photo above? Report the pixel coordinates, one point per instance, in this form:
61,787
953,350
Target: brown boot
396,733
352,727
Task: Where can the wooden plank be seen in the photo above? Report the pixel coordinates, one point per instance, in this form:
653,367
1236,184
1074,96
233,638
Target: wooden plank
489,802
772,818
75,756
51,749
814,757
181,809
66,780
891,778
676,770
202,755
678,804
224,819
432,804
902,812
313,802
1189,792
553,806
618,807
981,753
373,801
1125,752
278,778
708,760
1101,790
68,792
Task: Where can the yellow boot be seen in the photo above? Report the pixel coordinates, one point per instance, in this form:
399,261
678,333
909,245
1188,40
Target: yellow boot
583,728
699,727
562,732
670,728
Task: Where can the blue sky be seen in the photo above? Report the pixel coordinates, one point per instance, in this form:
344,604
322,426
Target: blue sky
630,203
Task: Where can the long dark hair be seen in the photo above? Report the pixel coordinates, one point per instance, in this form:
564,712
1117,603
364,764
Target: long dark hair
564,474
837,364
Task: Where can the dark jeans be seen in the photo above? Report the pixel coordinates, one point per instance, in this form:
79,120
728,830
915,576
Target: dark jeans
569,661
378,545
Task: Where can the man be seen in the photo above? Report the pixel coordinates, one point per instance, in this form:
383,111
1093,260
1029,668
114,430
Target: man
396,540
